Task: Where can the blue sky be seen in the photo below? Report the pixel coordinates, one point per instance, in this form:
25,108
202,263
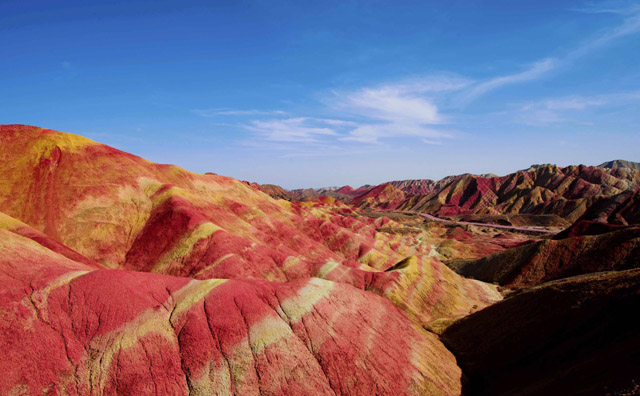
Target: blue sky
320,93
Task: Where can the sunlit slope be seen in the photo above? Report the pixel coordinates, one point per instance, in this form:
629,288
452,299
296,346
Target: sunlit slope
125,212
71,328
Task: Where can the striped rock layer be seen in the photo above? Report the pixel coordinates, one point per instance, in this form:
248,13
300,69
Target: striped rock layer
70,328
131,277
607,194
571,193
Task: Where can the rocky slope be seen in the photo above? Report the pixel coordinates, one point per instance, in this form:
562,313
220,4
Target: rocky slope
121,276
582,249
272,190
146,278
71,328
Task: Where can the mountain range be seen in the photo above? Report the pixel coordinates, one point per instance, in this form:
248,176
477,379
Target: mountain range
123,276
609,192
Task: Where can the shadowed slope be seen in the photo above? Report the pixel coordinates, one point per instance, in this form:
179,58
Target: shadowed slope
574,336
19,228
273,190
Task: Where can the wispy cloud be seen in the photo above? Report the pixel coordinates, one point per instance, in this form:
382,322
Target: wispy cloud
423,108
372,133
574,103
235,112
610,7
567,109
406,108
364,115
292,130
390,104
408,102
537,70
629,26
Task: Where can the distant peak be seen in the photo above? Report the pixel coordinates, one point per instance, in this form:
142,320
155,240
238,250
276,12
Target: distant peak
345,190
620,164
536,167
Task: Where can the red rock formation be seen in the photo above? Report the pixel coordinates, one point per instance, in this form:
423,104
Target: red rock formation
620,164
384,196
345,190
162,321
69,328
343,194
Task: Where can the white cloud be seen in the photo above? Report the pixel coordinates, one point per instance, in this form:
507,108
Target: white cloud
234,112
333,122
540,117
293,130
573,103
630,26
419,107
390,104
371,133
568,108
610,7
537,70
433,142
367,115
405,109
407,102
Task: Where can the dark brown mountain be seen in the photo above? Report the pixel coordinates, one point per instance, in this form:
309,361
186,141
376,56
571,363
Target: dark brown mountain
620,164
576,336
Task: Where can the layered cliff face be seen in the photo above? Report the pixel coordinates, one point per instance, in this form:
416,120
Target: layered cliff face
148,278
343,194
